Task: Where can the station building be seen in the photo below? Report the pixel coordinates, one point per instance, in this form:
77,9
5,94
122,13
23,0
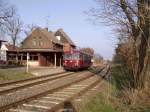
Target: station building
42,47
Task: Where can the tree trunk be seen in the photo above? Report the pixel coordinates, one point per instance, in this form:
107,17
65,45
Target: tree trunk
14,44
141,67
141,64
146,70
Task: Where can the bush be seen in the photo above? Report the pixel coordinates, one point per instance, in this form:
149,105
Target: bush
121,75
134,100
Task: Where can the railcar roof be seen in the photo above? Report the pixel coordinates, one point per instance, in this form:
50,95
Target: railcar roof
76,51
73,51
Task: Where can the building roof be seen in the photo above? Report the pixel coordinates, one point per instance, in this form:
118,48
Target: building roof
65,36
41,50
50,36
2,40
11,47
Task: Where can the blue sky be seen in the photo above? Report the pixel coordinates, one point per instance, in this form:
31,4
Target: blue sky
69,15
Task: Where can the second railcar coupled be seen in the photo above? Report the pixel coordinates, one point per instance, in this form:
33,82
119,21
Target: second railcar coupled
76,60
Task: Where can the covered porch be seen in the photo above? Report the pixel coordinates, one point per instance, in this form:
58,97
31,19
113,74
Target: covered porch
51,59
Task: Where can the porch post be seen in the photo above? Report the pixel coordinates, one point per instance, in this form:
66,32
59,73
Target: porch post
21,62
55,60
39,59
27,69
60,61
17,58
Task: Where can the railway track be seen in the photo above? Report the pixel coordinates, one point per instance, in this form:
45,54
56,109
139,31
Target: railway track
27,79
48,98
20,96
51,102
20,84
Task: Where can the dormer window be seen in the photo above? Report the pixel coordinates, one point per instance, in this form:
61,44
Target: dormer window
34,41
58,37
40,41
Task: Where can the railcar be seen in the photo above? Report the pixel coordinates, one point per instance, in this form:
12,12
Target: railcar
76,60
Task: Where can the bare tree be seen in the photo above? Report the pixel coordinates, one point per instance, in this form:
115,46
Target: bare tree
13,28
134,15
98,59
6,12
29,28
88,50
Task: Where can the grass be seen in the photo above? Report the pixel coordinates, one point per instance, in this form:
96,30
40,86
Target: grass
99,101
11,74
98,104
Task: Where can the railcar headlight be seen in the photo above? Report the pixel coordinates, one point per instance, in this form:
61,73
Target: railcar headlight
77,62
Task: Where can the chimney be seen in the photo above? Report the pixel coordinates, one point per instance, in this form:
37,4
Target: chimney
60,29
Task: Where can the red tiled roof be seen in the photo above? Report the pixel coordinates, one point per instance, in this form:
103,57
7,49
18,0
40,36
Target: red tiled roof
65,36
50,36
11,47
3,41
41,50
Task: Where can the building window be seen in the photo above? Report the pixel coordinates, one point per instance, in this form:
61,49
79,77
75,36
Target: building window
33,58
58,38
24,57
19,57
34,41
40,41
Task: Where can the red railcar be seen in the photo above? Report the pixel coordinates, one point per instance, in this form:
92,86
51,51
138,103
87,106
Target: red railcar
76,60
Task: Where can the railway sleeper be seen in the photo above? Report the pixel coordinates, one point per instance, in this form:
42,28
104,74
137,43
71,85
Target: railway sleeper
53,102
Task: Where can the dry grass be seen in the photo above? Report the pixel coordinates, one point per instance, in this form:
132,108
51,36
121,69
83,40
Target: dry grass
96,101
110,98
12,74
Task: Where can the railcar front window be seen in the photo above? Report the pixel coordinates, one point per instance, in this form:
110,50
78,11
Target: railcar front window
67,56
75,56
71,56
